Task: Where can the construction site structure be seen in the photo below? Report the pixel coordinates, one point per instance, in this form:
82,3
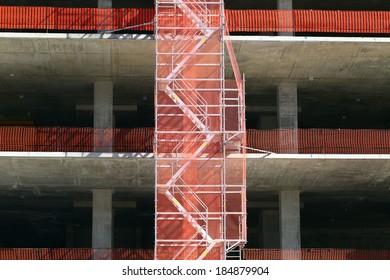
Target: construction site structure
200,187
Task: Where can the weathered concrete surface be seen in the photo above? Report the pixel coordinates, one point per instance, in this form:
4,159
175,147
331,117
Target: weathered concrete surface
319,174
289,220
266,63
135,172
102,219
51,71
260,59
103,104
80,173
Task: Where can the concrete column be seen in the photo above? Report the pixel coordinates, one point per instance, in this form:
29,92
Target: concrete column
287,20
103,103
289,222
287,102
287,105
102,223
104,3
103,116
270,228
285,4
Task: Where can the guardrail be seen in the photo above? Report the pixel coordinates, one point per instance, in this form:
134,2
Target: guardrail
140,140
92,19
147,254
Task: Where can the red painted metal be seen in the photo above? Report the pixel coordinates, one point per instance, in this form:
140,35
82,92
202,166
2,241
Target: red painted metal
92,19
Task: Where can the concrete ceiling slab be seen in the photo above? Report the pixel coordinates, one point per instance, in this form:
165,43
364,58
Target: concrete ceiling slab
58,71
75,172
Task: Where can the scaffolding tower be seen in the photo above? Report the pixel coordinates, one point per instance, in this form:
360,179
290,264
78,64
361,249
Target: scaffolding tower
200,188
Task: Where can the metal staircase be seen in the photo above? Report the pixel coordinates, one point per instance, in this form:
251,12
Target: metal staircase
190,138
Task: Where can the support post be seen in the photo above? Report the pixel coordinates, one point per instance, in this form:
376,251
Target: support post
286,20
104,3
289,224
103,116
102,223
287,101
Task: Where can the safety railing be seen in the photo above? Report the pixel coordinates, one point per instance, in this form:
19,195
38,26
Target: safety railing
45,19
64,139
147,254
308,141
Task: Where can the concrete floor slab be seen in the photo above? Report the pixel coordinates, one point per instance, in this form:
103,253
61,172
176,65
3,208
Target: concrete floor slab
135,172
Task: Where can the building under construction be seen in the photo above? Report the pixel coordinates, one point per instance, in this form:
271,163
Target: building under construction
181,129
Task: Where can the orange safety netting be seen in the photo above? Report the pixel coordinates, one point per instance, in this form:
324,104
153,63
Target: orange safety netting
320,141
76,139
147,254
140,140
315,254
193,114
91,19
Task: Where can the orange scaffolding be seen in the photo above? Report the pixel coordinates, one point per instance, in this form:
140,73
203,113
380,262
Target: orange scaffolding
199,134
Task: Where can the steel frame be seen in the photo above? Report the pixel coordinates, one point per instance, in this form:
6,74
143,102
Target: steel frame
200,192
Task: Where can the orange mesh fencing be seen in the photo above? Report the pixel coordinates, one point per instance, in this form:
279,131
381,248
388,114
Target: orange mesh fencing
147,254
322,141
63,139
91,19
82,19
73,254
308,21
315,254
140,140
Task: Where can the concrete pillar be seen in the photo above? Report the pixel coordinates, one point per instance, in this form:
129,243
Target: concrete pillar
102,223
287,105
270,228
103,103
287,19
104,3
287,102
103,116
289,223
285,4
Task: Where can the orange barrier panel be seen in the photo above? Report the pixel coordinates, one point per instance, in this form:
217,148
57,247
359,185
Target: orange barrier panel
83,19
73,254
308,21
323,141
63,139
316,254
92,19
140,140
147,254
